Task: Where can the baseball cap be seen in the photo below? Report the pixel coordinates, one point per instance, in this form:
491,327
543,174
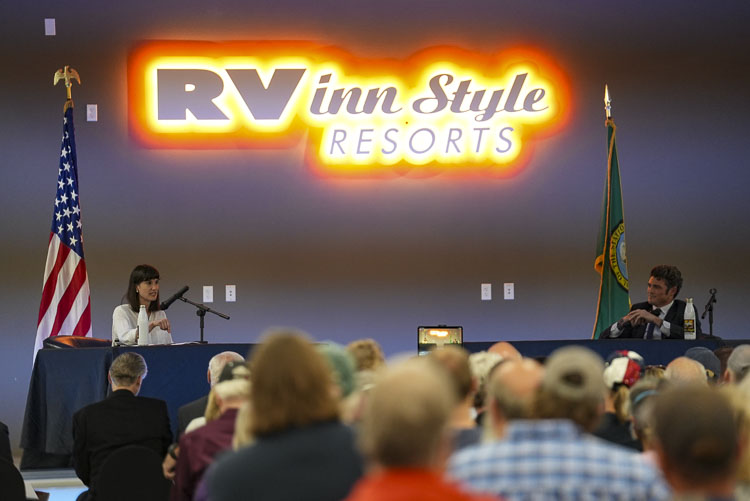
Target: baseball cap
623,367
234,370
706,357
574,373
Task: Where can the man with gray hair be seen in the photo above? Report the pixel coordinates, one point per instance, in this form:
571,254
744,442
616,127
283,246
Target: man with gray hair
197,408
553,456
738,364
121,419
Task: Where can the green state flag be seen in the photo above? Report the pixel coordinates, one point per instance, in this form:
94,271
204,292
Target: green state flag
611,263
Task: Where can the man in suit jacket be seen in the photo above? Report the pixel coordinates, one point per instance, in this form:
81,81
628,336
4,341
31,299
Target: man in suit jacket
197,408
121,419
661,316
5,453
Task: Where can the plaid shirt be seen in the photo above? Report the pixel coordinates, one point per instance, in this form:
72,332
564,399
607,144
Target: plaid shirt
555,460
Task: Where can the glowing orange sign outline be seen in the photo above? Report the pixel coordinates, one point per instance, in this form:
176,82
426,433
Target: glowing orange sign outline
412,78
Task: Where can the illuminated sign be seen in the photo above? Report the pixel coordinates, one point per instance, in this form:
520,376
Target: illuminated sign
442,109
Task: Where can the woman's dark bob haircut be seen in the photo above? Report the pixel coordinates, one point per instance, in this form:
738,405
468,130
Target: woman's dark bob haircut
141,273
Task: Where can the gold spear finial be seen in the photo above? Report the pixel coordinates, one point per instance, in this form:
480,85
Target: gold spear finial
67,74
607,102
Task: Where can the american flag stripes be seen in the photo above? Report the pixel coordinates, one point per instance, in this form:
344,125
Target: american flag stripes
65,308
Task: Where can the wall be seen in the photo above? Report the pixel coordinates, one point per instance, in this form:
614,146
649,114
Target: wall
345,259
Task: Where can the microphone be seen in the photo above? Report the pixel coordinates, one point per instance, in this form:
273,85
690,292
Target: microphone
177,295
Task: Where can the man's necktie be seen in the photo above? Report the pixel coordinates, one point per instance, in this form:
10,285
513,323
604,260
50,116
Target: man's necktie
651,326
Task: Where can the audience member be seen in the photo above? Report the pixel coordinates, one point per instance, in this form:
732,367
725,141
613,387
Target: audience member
300,448
642,397
697,442
367,354
623,370
455,361
708,360
553,457
198,448
683,370
511,392
123,418
738,364
723,355
481,364
654,371
197,408
738,398
342,368
505,350
5,452
406,435
369,360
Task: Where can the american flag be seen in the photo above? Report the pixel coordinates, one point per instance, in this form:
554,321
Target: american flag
66,306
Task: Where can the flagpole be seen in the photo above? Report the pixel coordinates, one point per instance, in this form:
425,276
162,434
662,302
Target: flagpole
613,300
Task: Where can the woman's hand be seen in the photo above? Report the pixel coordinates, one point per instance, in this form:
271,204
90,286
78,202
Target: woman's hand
163,324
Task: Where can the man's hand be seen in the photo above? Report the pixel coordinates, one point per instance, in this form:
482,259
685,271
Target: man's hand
168,467
641,317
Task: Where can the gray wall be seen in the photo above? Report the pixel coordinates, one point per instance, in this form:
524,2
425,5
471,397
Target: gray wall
344,259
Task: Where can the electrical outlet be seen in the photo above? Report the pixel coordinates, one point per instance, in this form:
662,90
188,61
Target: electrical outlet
208,293
49,26
486,292
231,293
92,113
509,292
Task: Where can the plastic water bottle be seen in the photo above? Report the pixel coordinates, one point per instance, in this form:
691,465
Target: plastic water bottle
689,322
143,326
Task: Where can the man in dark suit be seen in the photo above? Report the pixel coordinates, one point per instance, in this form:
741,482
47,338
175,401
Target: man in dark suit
197,408
5,453
661,316
121,419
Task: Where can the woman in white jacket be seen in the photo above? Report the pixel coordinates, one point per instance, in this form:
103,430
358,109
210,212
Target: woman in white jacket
143,289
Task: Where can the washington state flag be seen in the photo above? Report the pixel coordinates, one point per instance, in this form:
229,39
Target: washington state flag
611,261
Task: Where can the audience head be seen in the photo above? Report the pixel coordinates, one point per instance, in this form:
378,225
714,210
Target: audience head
708,360
481,364
455,360
407,416
128,371
654,371
511,391
291,385
683,370
738,364
141,273
367,354
341,365
696,440
505,350
233,387
572,387
622,370
723,355
217,362
642,398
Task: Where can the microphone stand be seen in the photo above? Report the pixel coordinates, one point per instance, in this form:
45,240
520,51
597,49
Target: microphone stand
710,310
201,311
